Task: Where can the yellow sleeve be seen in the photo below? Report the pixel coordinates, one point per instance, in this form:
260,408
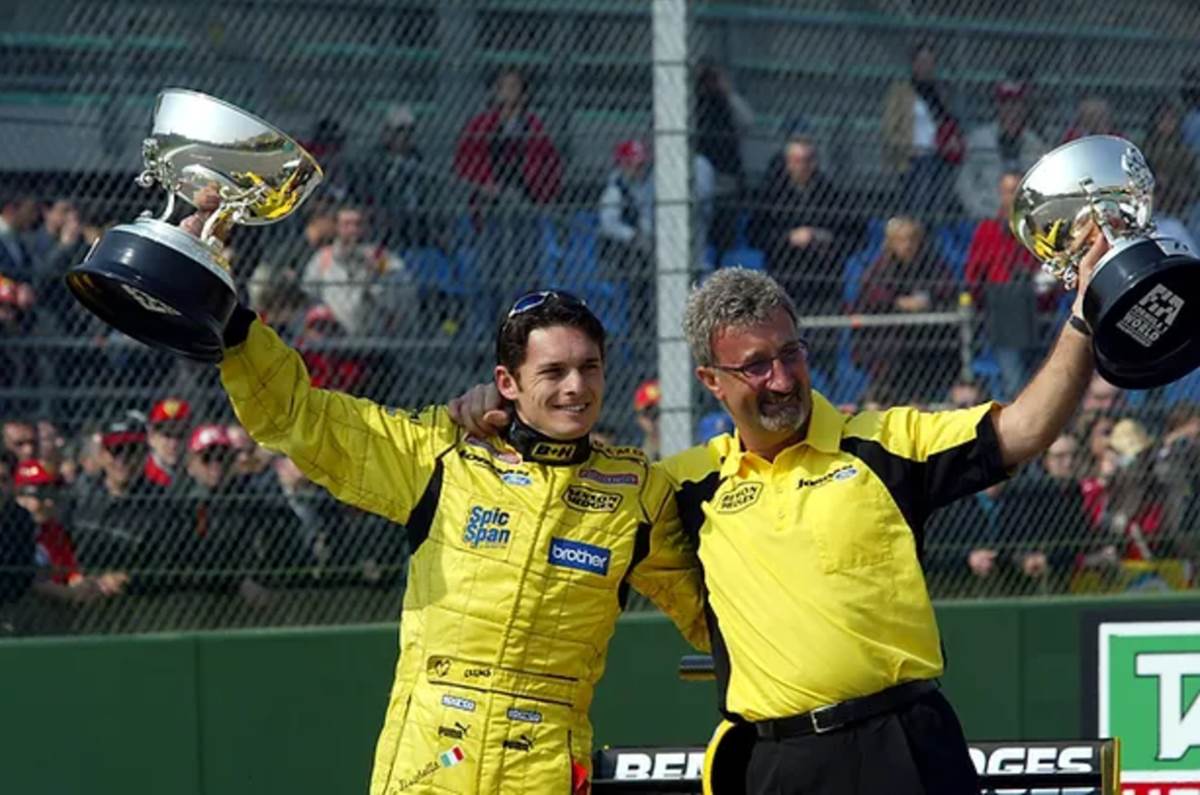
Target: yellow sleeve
670,574
377,459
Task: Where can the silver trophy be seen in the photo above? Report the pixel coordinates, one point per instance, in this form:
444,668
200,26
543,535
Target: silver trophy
1144,292
155,282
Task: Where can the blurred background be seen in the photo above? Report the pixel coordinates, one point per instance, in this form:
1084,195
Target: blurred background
863,152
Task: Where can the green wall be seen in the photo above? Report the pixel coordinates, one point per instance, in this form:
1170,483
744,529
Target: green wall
296,711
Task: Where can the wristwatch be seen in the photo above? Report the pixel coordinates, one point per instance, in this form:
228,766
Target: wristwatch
1079,324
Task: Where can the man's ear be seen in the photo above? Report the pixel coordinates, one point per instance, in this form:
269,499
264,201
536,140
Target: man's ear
708,377
506,383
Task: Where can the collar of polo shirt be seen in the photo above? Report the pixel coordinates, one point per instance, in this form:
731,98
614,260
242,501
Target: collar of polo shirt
824,435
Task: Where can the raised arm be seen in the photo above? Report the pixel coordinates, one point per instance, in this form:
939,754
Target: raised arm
1030,423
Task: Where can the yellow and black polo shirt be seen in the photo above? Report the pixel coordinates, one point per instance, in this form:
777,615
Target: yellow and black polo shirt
815,592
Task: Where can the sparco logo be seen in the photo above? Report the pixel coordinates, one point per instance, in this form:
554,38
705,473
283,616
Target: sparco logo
458,702
590,500
524,715
1148,676
739,498
486,527
578,555
1152,316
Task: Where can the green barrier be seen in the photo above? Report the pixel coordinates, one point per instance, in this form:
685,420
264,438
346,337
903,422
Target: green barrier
296,711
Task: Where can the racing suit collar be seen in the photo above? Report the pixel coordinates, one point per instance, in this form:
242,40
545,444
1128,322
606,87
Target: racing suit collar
533,445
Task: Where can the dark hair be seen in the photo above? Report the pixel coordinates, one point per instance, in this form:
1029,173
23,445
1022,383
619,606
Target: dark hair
512,339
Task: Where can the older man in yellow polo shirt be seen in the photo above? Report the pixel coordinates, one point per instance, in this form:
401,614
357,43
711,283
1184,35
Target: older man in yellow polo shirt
811,527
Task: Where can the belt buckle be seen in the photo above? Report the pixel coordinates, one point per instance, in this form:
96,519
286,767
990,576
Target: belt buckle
815,717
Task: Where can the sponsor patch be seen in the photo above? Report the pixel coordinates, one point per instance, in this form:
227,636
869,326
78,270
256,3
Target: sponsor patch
739,498
522,743
487,528
458,702
841,473
609,478
578,555
502,455
458,731
516,479
439,666
582,498
478,673
553,451
524,715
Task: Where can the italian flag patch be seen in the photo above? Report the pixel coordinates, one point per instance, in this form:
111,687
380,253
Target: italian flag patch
452,757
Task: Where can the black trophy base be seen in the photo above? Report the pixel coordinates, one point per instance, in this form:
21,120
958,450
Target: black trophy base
1144,306
154,293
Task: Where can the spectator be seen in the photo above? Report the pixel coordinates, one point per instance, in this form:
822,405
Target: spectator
908,278
1042,521
20,439
1094,117
627,220
1190,127
223,542
1124,501
646,402
167,426
328,146
722,119
394,180
1101,397
328,367
922,142
1007,282
514,170
803,224
120,525
17,535
250,459
18,364
365,285
627,214
1007,144
58,577
1176,468
962,545
964,393
41,241
18,215
1175,173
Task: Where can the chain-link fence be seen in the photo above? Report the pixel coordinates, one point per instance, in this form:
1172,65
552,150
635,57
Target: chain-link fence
859,151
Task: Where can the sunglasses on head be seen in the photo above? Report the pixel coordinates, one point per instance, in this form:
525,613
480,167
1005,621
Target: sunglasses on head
531,301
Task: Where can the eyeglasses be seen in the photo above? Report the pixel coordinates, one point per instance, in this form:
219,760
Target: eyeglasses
759,370
531,301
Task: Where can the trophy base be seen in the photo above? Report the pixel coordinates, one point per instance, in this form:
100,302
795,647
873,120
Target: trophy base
1142,305
157,284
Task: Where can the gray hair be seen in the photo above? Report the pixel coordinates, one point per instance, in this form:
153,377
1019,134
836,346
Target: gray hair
731,297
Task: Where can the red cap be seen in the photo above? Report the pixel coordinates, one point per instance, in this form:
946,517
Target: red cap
630,153
170,410
32,473
648,394
8,291
320,313
206,436
122,432
1010,89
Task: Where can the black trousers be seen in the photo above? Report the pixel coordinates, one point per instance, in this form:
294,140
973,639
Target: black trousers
917,750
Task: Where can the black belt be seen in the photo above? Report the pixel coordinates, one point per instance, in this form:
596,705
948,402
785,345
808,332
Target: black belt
836,716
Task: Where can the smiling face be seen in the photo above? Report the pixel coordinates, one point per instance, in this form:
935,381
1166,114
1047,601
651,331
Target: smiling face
559,387
770,409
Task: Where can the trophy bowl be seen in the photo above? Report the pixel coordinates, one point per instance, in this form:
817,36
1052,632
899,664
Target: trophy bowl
160,285
1144,293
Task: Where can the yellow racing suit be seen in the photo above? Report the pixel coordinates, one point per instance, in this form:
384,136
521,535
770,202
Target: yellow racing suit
519,571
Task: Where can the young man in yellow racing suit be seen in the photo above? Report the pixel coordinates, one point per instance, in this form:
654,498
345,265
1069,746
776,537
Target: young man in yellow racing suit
524,547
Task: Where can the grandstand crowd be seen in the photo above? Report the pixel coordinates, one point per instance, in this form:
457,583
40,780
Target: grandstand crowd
154,496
